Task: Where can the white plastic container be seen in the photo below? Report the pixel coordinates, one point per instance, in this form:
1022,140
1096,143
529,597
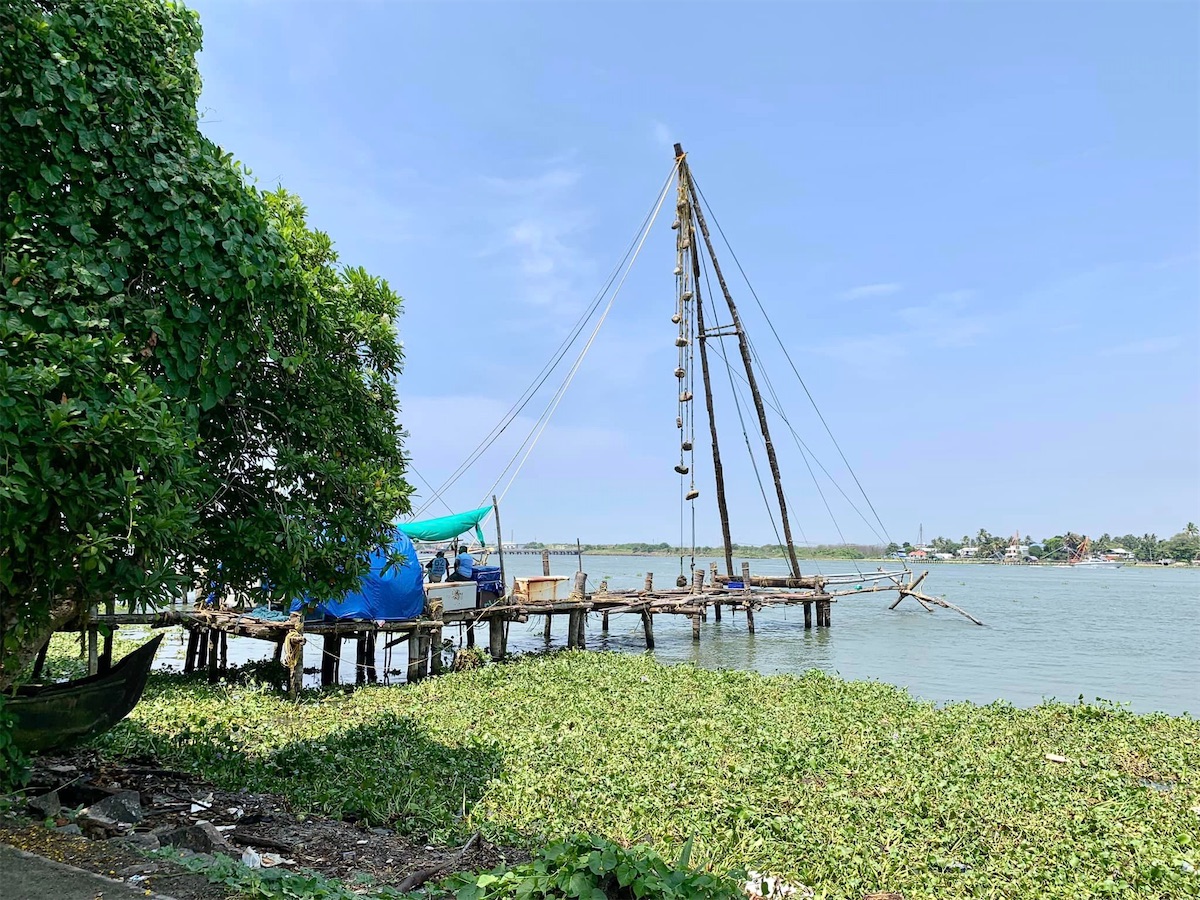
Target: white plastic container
455,595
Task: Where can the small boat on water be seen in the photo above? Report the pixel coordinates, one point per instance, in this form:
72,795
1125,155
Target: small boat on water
1080,557
1093,562
54,716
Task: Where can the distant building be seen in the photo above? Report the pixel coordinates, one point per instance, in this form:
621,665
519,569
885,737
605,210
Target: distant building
919,553
1119,553
968,552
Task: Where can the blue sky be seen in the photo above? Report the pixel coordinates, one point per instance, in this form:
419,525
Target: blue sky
974,225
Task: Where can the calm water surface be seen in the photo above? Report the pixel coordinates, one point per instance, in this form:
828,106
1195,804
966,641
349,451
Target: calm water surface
1129,635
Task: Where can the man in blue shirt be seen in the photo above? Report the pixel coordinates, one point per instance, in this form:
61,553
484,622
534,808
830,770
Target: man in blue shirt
437,567
464,565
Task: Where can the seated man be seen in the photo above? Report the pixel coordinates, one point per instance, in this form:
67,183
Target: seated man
437,567
464,565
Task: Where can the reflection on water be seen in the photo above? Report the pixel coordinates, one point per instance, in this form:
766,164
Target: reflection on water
1129,635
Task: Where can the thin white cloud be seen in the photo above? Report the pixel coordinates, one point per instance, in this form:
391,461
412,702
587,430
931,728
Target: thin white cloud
536,223
864,291
662,134
1145,346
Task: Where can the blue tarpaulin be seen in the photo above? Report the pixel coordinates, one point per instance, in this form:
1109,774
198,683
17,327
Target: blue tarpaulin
389,596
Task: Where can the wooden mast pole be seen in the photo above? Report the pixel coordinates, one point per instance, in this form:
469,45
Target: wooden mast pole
744,347
718,469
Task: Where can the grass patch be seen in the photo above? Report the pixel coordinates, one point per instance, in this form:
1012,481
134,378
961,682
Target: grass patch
848,787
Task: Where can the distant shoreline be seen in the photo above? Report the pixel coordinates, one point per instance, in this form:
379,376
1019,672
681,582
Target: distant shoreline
742,555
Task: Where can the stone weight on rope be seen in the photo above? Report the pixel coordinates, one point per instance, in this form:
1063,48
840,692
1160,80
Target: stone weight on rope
681,469
675,224
687,295
685,396
684,244
677,318
679,421
679,270
680,372
681,341
686,446
681,581
692,494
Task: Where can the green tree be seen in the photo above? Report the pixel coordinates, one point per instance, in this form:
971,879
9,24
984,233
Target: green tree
188,383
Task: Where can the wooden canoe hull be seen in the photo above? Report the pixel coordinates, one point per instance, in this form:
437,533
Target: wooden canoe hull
55,716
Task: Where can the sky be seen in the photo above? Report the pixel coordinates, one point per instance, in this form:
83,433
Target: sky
974,228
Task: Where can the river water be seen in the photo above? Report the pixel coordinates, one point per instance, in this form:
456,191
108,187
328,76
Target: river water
1129,635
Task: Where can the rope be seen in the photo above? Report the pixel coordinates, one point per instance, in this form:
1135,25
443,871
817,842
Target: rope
788,357
546,416
436,495
528,394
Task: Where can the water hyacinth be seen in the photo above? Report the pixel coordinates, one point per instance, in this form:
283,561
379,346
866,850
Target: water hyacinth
847,788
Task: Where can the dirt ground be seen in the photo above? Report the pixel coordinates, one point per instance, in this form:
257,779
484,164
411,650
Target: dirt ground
244,819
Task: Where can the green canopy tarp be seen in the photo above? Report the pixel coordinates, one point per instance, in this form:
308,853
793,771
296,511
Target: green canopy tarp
445,528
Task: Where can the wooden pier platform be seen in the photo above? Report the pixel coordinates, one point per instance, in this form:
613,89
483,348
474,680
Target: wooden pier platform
209,628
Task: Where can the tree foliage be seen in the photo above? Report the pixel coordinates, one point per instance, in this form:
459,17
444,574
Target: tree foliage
188,382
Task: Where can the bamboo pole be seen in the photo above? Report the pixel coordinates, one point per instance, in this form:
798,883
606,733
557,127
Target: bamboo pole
702,340
751,380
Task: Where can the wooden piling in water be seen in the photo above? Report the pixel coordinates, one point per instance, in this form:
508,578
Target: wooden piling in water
496,638
360,658
712,571
413,675
546,630
435,651
696,628
545,562
808,616
649,581
189,656
214,655
648,627
604,622
746,592
369,654
331,652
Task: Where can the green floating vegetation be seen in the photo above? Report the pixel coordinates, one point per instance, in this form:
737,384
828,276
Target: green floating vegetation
847,787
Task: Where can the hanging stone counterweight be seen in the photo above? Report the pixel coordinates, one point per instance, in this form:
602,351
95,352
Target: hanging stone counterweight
680,372
681,469
677,318
692,494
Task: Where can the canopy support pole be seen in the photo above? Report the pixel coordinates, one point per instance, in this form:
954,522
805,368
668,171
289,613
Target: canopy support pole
499,544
